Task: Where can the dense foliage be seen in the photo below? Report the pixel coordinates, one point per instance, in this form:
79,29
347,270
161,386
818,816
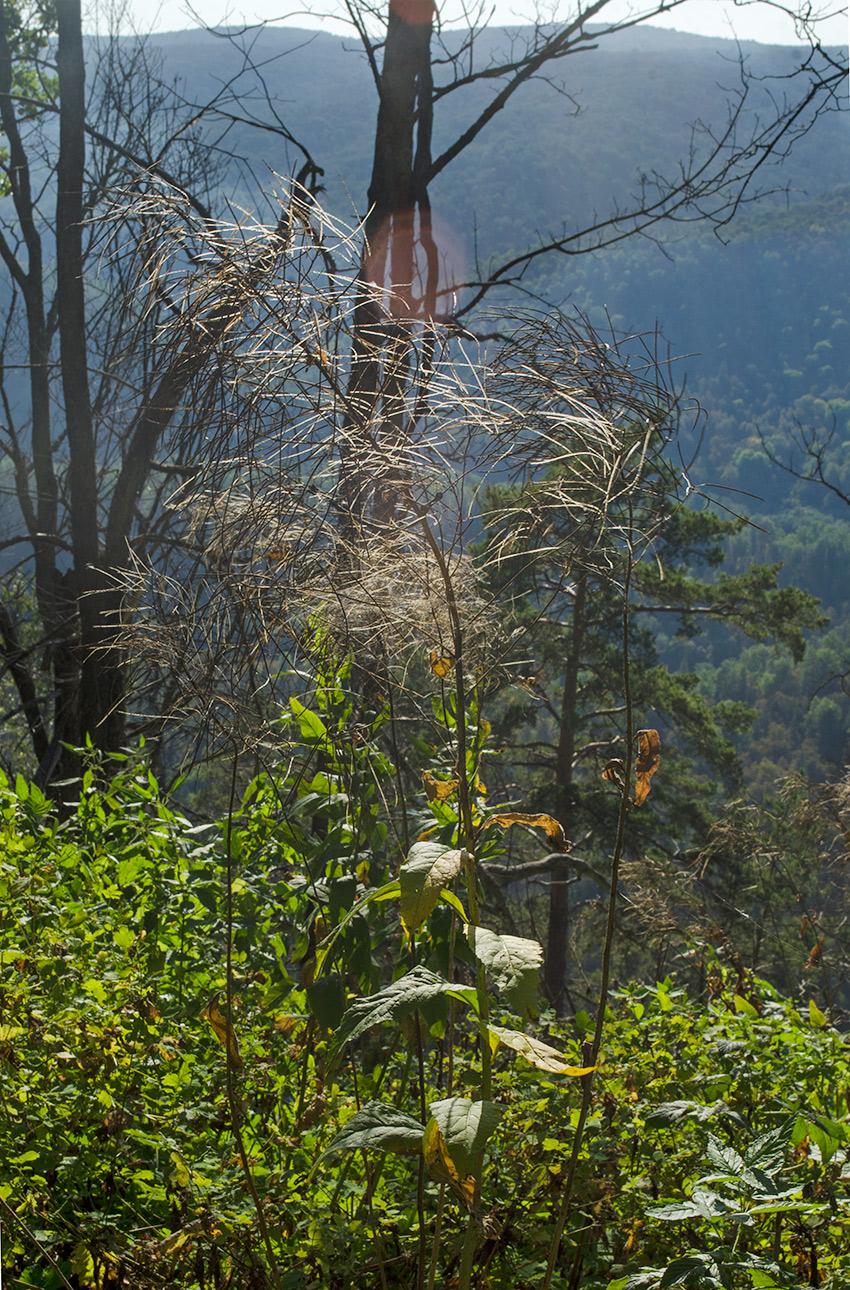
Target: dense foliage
148,1141
448,633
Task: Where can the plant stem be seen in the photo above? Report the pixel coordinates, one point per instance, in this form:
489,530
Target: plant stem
235,1126
435,1246
587,1080
466,839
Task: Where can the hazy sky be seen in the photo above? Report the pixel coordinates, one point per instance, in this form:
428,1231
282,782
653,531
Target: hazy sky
746,19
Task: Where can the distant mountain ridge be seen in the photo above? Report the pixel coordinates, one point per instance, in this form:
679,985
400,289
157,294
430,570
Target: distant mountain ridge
537,164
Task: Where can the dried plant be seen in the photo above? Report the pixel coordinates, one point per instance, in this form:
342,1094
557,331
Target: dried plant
307,509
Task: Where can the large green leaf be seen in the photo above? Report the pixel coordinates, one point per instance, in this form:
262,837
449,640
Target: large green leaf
326,997
396,1001
724,1158
313,729
428,868
691,1269
466,1127
513,962
672,1112
376,1127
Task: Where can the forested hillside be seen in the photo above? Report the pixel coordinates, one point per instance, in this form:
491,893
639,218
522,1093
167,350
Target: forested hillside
754,316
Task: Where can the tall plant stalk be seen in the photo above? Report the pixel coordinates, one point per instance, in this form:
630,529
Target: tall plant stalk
467,839
232,1098
587,1081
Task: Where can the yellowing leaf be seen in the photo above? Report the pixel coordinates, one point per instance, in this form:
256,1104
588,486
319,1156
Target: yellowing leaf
550,826
223,1031
647,763
441,1167
286,1022
535,1052
438,790
816,1017
82,1264
441,664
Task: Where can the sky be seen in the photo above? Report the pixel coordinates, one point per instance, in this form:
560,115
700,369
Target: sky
745,19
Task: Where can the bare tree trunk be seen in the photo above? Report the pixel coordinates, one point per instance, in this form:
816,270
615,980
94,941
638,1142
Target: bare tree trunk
95,692
398,219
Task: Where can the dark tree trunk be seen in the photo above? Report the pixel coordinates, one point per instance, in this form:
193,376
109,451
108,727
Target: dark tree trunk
96,659
397,224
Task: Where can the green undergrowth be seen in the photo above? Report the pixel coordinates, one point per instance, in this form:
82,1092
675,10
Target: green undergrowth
715,1151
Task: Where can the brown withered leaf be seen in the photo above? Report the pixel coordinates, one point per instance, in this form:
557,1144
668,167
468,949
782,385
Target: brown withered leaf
223,1031
438,790
613,772
441,664
815,956
550,826
647,763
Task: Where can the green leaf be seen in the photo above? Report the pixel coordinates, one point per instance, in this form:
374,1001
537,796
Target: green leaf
686,1271
449,898
96,989
389,891
744,1006
466,1126
677,1212
671,1112
767,1153
396,1001
513,962
312,728
428,868
826,1141
326,998
129,867
816,1017
377,1127
725,1159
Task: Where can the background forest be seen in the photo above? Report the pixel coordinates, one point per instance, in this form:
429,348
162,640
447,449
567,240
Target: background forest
424,640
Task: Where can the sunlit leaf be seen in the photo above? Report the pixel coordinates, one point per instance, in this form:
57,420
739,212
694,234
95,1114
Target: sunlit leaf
536,1052
223,1030
550,826
449,898
743,1005
82,1264
428,868
441,664
438,790
816,1017
377,1127
312,728
512,961
396,1001
466,1127
647,763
